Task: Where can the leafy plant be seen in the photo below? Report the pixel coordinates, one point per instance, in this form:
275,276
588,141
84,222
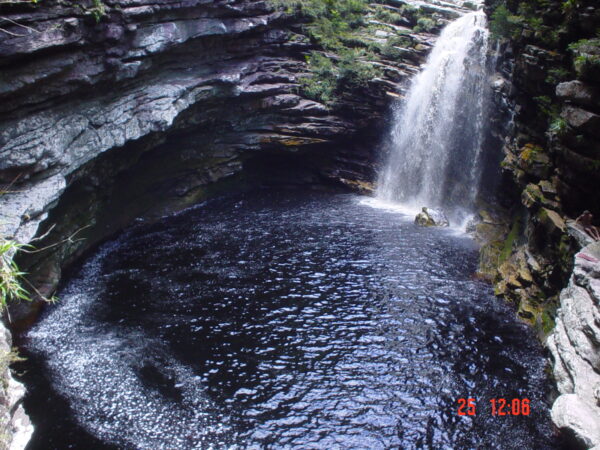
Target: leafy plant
392,48
338,27
410,13
557,75
329,20
504,24
388,16
329,76
546,106
558,126
587,57
353,71
11,287
425,24
98,10
323,82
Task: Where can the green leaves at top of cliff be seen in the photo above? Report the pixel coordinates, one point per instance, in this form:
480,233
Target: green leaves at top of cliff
329,21
344,60
549,23
525,19
564,27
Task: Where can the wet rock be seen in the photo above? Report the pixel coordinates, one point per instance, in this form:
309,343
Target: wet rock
431,217
552,220
489,256
362,187
489,232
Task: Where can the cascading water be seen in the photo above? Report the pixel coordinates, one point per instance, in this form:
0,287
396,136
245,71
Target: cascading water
437,136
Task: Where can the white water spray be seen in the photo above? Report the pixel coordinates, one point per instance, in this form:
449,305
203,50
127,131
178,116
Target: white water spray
437,136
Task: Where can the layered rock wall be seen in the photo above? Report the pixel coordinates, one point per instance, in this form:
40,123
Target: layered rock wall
575,348
545,109
124,109
152,106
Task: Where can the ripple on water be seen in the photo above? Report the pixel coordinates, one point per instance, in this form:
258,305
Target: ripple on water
302,320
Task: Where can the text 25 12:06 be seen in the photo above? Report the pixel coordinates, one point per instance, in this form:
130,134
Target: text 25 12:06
500,407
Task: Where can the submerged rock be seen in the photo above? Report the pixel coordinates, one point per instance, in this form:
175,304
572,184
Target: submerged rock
431,217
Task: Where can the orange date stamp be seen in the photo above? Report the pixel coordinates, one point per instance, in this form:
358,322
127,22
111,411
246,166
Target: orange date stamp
499,407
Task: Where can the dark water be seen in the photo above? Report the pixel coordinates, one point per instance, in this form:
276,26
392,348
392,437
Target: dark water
292,319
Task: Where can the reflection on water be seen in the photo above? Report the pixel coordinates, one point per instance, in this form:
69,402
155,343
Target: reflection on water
291,319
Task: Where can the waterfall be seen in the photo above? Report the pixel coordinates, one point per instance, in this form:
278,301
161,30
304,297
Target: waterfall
437,133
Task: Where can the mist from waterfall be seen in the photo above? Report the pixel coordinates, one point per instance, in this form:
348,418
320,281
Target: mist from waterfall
438,129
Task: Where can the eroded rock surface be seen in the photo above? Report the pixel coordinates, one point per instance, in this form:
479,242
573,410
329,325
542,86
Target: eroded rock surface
575,348
217,81
15,427
159,105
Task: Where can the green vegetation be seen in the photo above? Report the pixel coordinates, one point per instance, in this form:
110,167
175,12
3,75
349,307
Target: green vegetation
547,106
330,21
388,16
330,76
97,9
10,276
526,20
7,357
335,26
586,54
509,242
548,320
558,127
557,75
425,24
391,49
343,32
504,24
410,12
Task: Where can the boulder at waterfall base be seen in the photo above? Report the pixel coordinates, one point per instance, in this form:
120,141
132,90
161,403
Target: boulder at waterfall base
430,217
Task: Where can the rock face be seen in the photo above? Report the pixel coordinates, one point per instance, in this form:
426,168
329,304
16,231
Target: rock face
574,345
546,121
15,426
124,109
431,217
156,106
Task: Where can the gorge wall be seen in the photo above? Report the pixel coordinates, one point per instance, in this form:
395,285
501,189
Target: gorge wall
116,110
547,108
157,105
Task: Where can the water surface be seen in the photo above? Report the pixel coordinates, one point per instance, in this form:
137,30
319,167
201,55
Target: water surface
282,319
